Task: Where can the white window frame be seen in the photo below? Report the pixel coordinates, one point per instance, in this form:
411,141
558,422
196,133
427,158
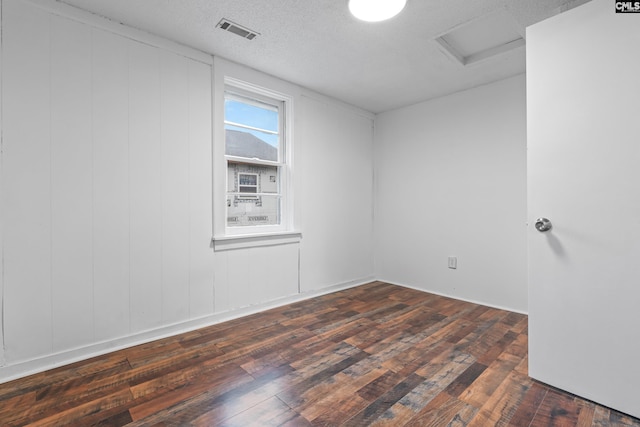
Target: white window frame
234,237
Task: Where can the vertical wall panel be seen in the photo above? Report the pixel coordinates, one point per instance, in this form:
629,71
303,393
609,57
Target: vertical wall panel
239,278
201,260
221,283
26,181
289,277
175,187
110,185
71,184
145,187
262,265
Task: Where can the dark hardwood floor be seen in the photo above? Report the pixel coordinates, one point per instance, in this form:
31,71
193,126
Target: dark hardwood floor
373,355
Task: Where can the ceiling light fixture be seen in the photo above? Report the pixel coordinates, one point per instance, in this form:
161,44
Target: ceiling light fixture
376,10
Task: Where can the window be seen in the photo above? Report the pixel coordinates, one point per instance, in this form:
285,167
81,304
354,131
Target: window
248,182
256,162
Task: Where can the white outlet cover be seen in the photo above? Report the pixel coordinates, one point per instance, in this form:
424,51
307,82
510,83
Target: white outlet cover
453,262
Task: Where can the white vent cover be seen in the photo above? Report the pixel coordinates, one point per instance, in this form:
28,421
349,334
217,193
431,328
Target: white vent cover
239,30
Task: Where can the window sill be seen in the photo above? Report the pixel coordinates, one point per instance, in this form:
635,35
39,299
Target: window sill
243,241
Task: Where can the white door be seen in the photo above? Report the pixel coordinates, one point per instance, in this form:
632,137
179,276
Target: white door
583,107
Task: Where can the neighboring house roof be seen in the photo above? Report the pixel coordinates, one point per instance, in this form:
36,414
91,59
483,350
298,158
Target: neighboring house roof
243,144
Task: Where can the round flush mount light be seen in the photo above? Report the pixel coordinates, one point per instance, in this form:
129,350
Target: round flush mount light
375,10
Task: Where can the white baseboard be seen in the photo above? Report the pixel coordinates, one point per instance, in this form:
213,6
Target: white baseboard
41,364
457,297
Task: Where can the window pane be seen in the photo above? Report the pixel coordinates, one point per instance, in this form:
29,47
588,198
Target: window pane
251,128
251,144
252,113
247,203
255,150
253,210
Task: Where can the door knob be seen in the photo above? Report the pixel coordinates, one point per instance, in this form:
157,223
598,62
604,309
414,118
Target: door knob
542,225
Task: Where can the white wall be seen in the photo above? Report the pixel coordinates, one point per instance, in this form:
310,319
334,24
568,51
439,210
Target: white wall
451,181
107,192
337,196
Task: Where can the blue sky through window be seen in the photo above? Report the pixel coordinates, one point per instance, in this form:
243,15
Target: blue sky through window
265,118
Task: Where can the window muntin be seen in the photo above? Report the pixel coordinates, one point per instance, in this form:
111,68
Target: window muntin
254,149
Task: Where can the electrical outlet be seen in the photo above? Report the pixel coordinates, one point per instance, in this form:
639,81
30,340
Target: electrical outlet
453,262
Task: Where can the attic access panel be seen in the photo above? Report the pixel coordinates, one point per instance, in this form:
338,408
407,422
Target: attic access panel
490,35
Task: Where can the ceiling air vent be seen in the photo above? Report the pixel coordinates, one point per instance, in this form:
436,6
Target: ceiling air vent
234,28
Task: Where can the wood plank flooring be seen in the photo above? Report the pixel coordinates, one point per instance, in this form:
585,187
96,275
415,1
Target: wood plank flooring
377,355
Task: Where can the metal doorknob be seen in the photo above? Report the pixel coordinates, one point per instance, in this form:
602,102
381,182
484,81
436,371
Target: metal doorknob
542,225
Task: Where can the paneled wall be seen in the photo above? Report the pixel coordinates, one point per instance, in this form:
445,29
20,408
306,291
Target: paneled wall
107,199
105,183
255,275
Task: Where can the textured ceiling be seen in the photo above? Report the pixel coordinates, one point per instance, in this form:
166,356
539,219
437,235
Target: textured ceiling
319,45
